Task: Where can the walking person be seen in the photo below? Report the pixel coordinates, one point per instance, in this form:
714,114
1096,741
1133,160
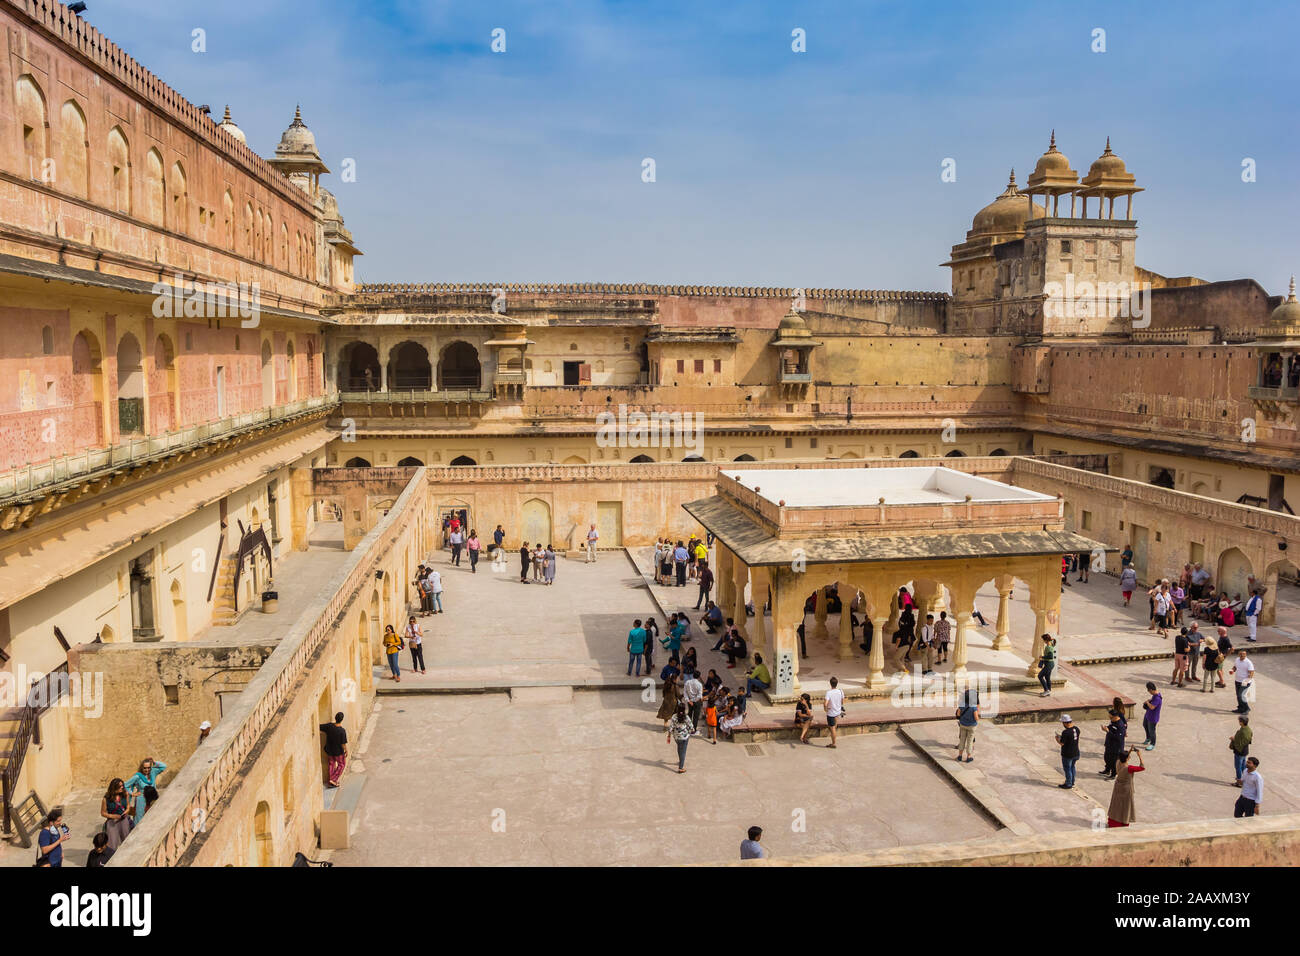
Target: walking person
116,810
1253,607
1211,660
1252,791
434,580
1128,579
422,589
472,545
1123,808
1240,747
1047,664
1243,672
1083,559
1195,644
145,777
1116,729
636,648
925,645
1151,715
942,637
548,564
680,730
336,747
415,640
525,559
498,538
968,718
1068,738
834,707
1179,676
457,540
651,635
706,584
672,694
680,557
592,537
392,647
693,698
1225,650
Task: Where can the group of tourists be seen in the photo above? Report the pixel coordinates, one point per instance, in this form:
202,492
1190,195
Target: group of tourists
541,559
689,705
1191,597
676,564
122,807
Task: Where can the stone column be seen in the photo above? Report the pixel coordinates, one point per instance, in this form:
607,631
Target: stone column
760,637
846,625
722,577
1003,641
1040,628
963,619
737,608
820,629
1044,589
300,486
787,612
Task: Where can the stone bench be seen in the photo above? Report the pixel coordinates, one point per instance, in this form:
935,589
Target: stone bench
336,819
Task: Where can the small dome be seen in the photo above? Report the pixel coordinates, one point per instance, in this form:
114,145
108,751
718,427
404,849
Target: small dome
297,140
302,181
1052,163
1287,315
229,126
793,322
329,204
1006,214
1108,166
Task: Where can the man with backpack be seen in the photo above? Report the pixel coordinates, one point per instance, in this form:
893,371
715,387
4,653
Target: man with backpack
968,718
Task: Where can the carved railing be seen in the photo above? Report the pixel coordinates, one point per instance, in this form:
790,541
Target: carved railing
636,289
185,808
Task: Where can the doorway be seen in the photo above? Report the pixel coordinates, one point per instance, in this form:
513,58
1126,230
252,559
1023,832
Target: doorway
1140,538
609,523
571,370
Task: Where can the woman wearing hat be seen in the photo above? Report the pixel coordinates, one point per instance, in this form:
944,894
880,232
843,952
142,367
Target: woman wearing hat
1123,810
1210,661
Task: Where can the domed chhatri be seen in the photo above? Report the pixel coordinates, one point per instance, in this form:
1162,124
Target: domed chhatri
297,141
793,324
228,125
1007,214
1108,168
1108,179
1284,322
1053,177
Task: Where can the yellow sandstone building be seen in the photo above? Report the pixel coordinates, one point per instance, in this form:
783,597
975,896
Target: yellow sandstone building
193,385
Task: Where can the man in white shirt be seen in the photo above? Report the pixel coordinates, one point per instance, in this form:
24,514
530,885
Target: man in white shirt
926,641
592,538
1243,671
834,706
1253,607
1252,791
693,695
415,641
1162,607
457,541
434,580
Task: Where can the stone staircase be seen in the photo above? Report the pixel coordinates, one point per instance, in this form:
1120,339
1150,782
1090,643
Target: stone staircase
224,611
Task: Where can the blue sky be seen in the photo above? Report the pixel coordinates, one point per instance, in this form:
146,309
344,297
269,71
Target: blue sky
773,168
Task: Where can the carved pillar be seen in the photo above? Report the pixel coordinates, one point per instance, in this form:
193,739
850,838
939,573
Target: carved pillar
846,623
300,496
1003,640
963,599
878,598
1044,592
787,612
722,577
737,608
819,615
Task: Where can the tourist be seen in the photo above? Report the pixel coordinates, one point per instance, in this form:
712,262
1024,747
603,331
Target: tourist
803,717
434,579
1123,808
693,697
1116,729
672,641
1068,738
975,613
968,718
100,852
1046,665
49,845
525,559
498,538
1179,675
680,730
680,556
472,545
592,537
1126,556
705,577
392,647
1151,715
1161,608
750,847
1240,747
422,589
712,619
691,556
741,700
1128,583
636,638
1195,642
731,721
671,695
691,662
1211,660
925,645
116,809
414,638
942,636
701,555
457,540
1082,560
1225,650
336,747
758,676
1067,565
539,562
1243,672
735,648
671,669
205,728
657,560
1177,598
666,564
1252,790
906,633
834,707
548,567
146,776
651,635
711,712
1253,607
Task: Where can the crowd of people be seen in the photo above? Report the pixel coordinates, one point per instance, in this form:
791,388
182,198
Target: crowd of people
123,806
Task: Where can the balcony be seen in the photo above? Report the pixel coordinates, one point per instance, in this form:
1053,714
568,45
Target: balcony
1281,393
415,397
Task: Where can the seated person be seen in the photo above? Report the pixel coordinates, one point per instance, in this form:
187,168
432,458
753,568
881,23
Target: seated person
712,619
741,700
730,722
759,676
833,603
803,716
1227,617
735,648
712,682
726,631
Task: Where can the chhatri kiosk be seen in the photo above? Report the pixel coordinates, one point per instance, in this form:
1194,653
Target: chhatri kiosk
873,530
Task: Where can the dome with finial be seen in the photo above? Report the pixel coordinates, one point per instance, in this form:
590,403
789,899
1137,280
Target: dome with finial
1285,320
298,140
229,126
793,324
1108,170
1006,214
1053,170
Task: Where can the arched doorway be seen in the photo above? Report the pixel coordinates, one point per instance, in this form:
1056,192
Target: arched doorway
162,386
359,367
88,383
955,453
291,372
409,368
410,461
459,367
268,376
356,463
642,460
180,623
1234,573
130,387
263,844
463,460
909,454
535,521
997,452
745,457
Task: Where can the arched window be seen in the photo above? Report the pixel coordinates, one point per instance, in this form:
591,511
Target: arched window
250,230
909,454
74,151
180,200
119,164
955,453
463,460
409,461
642,460
359,463
284,247
47,340
153,187
998,452
744,458
32,119
459,367
228,219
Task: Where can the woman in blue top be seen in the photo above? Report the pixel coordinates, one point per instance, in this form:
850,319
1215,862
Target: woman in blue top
673,640
147,776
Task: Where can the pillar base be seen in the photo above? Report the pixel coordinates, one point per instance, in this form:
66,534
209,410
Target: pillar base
877,680
1002,643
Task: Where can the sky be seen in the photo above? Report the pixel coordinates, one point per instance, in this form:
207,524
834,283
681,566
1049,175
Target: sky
771,167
